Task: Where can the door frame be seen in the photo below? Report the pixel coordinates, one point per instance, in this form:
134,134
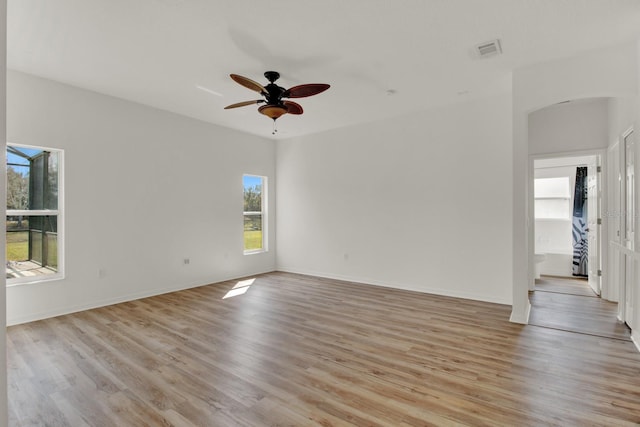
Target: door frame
601,156
613,216
622,273
595,274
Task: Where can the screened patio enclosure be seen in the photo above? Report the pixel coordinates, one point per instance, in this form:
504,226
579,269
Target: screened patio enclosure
32,212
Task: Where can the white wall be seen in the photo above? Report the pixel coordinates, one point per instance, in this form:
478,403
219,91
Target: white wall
420,202
563,128
144,189
610,72
622,113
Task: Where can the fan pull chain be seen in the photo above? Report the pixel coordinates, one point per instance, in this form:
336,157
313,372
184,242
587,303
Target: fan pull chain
275,127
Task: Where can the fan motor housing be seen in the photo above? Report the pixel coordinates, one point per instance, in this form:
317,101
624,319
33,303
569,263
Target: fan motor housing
274,93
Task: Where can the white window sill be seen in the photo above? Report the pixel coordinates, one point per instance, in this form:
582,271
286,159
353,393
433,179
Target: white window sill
33,280
255,251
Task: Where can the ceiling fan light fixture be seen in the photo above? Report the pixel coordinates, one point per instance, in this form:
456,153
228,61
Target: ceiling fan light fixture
272,111
275,106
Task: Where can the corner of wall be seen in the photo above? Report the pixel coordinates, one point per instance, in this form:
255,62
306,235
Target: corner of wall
521,315
635,338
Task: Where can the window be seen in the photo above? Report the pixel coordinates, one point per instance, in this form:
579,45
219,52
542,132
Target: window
255,188
552,198
33,214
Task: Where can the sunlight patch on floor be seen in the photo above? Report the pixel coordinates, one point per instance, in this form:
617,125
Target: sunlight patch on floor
240,288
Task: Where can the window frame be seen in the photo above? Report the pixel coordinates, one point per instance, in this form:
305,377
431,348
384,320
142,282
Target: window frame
566,199
58,213
262,212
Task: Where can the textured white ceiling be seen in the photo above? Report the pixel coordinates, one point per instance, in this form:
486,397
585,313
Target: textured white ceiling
163,52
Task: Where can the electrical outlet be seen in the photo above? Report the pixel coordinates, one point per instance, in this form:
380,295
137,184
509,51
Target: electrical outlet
186,261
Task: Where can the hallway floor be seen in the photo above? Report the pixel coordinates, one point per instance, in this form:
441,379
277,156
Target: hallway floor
569,304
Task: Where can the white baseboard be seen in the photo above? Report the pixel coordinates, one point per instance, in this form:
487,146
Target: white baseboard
61,311
402,286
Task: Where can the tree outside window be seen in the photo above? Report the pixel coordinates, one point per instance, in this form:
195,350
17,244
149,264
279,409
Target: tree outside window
33,214
254,213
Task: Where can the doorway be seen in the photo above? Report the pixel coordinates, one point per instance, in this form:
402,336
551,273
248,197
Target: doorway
567,218
562,299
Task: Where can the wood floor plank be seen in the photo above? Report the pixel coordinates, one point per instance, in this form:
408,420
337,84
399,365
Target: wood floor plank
565,285
570,304
297,350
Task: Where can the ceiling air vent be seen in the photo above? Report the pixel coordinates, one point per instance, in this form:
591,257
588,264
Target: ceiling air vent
489,48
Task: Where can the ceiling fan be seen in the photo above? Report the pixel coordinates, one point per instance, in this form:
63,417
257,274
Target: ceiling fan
274,104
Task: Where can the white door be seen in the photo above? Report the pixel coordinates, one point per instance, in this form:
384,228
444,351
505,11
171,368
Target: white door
630,214
593,214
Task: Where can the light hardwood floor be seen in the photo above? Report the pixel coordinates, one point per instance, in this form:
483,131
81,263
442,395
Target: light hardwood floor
296,351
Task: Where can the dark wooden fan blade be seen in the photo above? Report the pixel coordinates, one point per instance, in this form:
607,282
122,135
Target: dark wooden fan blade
243,104
302,91
248,83
293,107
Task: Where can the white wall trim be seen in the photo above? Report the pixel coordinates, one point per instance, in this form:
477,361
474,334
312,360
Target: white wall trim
60,311
400,286
578,153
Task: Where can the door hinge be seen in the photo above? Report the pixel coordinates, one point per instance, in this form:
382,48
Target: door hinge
599,273
598,168
599,221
